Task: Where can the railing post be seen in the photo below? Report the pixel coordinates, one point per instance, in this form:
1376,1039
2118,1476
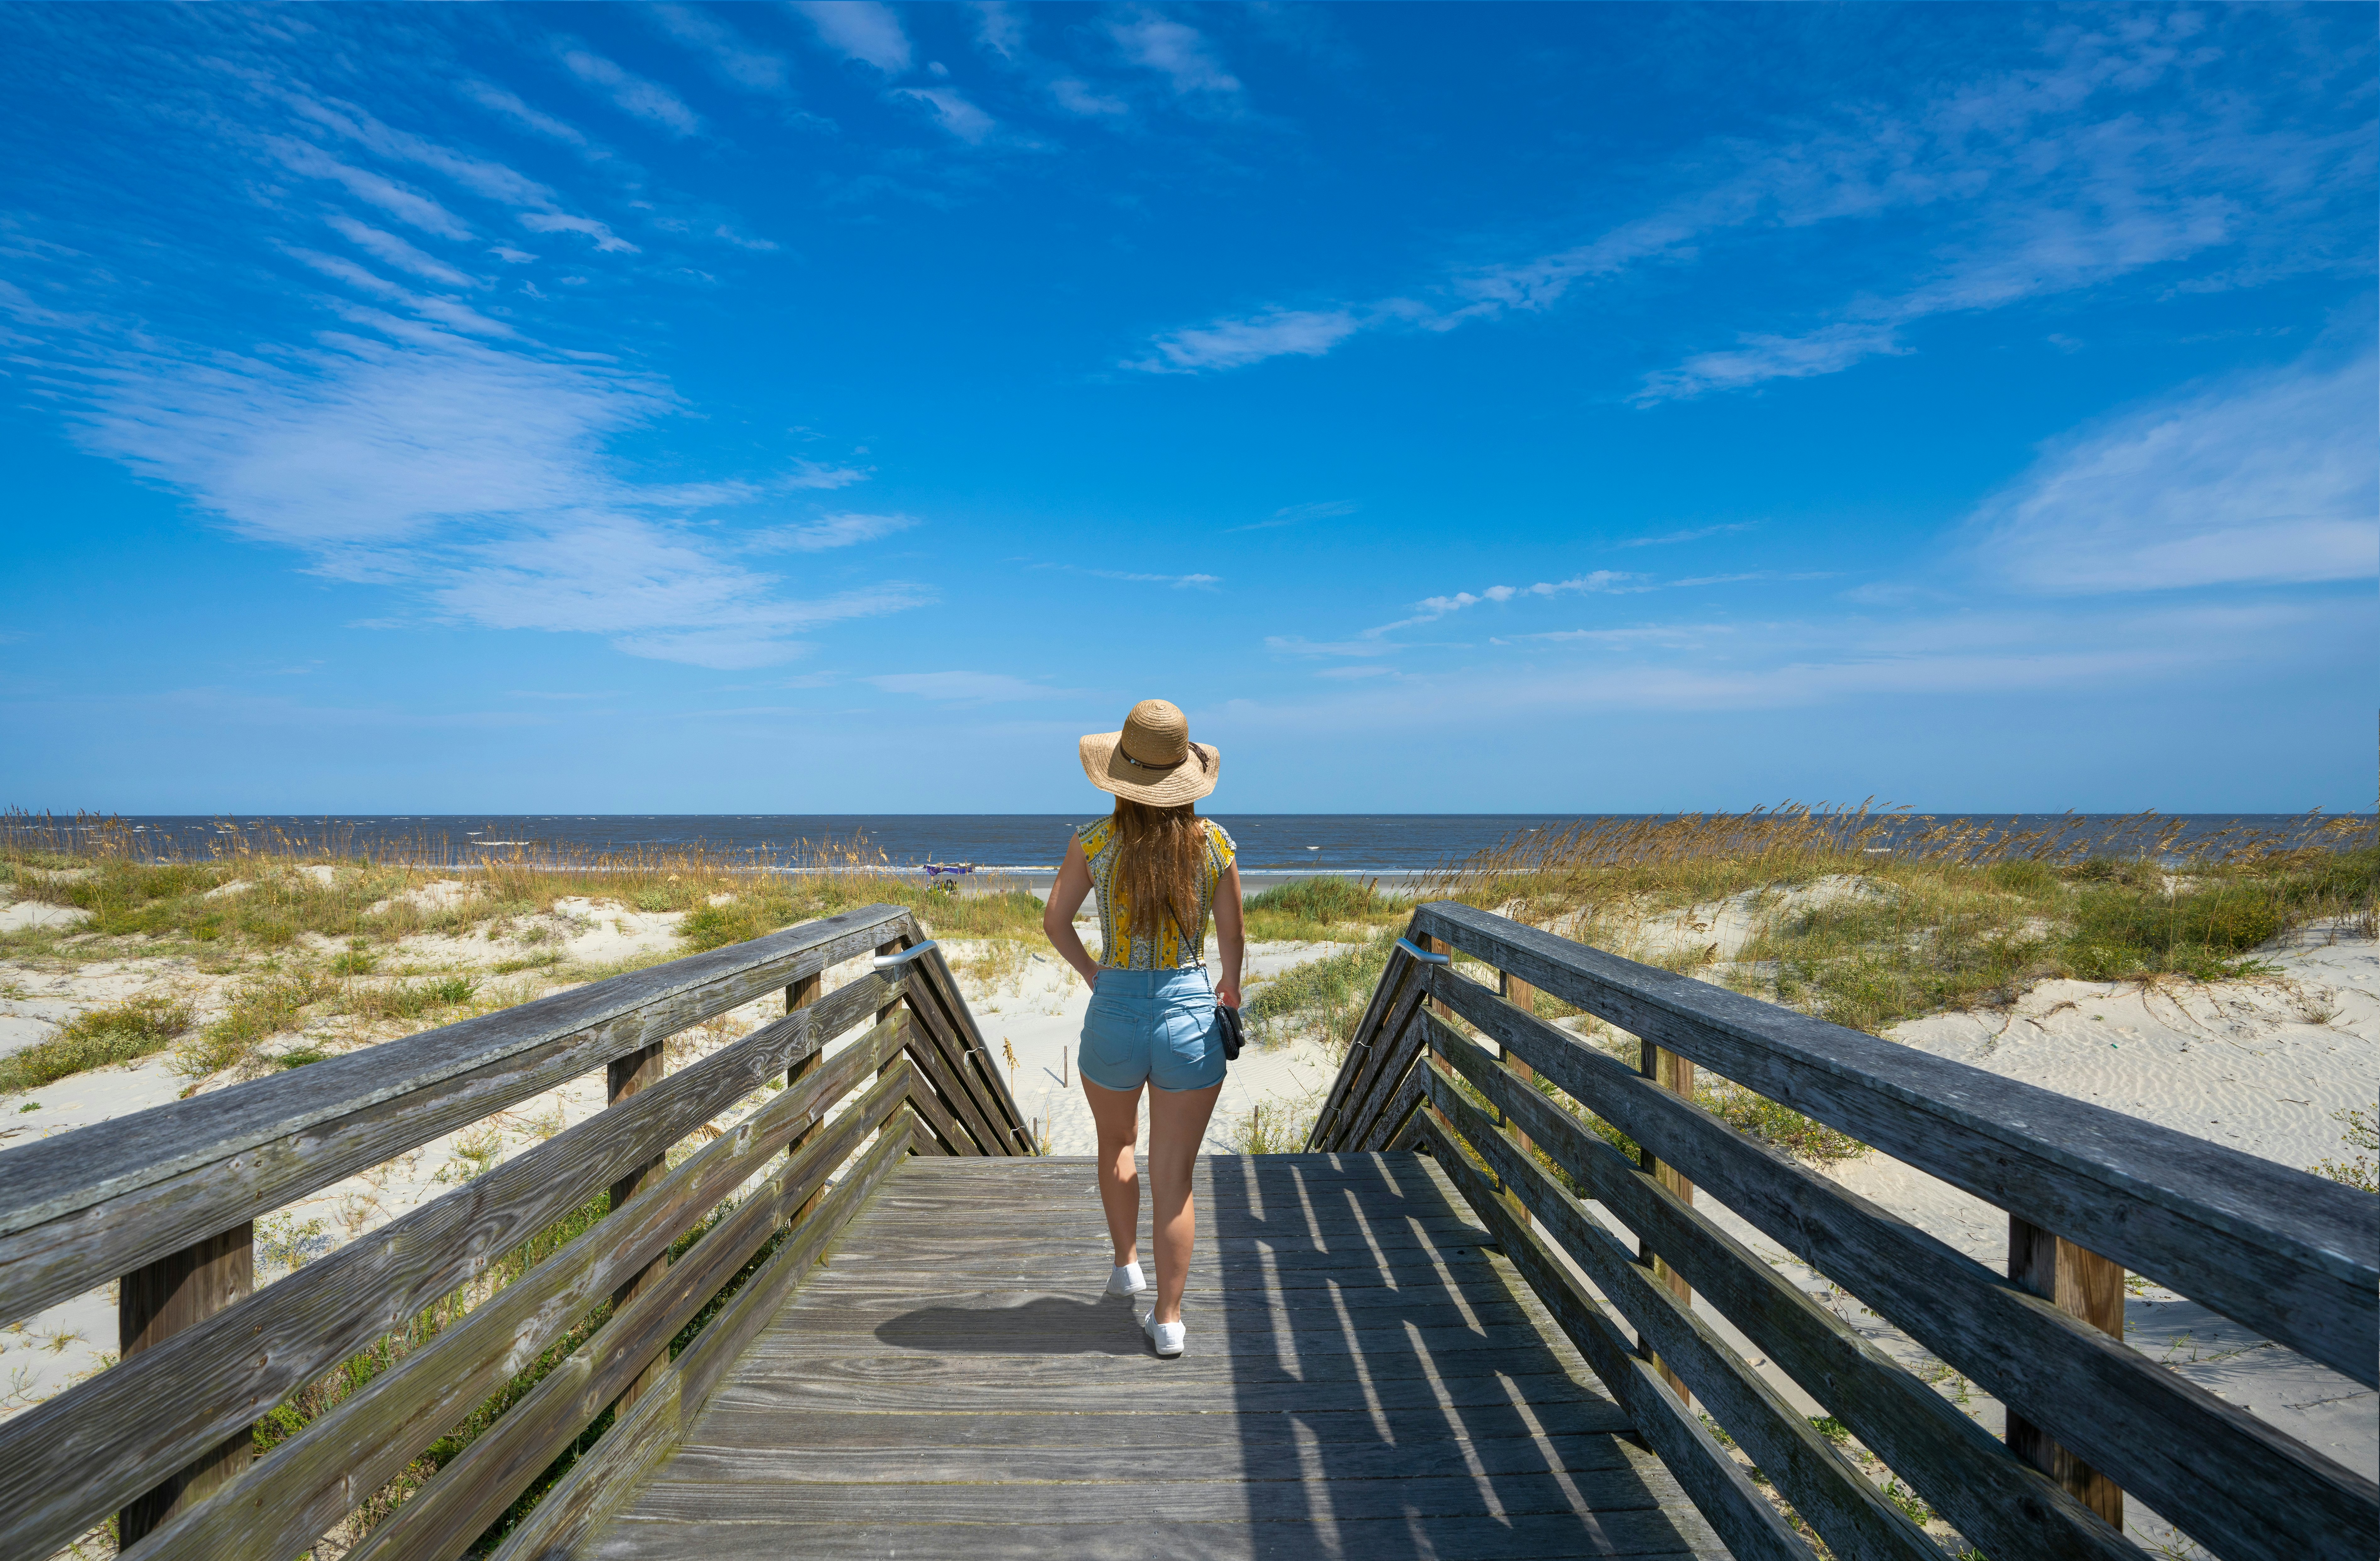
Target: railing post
625,1076
1522,995
153,1303
800,996
2082,1284
1675,1074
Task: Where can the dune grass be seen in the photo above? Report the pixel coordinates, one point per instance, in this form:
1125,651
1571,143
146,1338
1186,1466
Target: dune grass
125,1032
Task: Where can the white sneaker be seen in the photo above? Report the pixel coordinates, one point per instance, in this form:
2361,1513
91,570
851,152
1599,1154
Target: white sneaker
1166,1336
1126,1280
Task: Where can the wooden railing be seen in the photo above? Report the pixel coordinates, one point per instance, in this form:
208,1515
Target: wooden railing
2290,1255
166,1199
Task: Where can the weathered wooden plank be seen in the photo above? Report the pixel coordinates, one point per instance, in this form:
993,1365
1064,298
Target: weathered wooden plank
999,1106
958,1377
1086,1328
950,1074
2242,1487
1391,976
1849,1514
1327,1297
307,1484
2294,1256
66,1462
1394,1051
1985,1493
945,1322
1737,1513
876,1434
79,1209
2081,1284
475,1489
1099,1459
1161,1390
626,1076
724,1503
606,1478
927,1101
926,1052
153,1303
1637,1532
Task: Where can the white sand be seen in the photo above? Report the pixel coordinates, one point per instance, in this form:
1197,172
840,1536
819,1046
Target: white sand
2260,1064
1039,1014
2239,1062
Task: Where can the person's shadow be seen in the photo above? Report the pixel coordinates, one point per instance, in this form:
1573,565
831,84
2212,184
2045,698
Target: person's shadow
1044,1325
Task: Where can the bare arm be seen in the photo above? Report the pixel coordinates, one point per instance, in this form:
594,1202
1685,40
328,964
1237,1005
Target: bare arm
1067,896
1230,935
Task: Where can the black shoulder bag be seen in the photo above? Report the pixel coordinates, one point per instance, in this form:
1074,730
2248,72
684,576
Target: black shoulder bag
1229,1020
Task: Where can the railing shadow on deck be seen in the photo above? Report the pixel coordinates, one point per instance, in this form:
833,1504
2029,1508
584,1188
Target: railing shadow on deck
1466,1071
1391,1426
166,1199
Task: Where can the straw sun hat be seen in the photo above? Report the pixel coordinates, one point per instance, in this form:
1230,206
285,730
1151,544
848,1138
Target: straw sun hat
1152,760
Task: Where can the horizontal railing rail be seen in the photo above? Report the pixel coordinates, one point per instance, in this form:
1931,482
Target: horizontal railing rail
914,1077
1501,1096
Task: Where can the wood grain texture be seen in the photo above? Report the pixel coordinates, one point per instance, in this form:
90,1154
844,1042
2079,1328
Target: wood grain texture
1314,1537
1359,1054
608,1476
1398,1043
82,1454
1849,1513
2241,1486
2295,1257
476,1488
309,1483
81,1208
2081,1284
1999,1503
889,1410
153,1303
1737,1513
986,1077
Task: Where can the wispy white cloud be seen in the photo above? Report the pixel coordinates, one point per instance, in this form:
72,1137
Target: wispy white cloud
487,94
2272,477
407,205
1000,28
1232,344
1298,514
810,474
860,29
828,531
967,687
1599,581
605,239
399,253
1180,583
2044,179
649,101
1079,98
1695,533
736,58
952,110
1176,51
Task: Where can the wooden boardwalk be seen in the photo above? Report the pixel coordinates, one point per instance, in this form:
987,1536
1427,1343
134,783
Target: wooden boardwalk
1364,1380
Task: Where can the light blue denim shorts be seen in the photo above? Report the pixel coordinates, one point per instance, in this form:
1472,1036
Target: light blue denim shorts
1157,1026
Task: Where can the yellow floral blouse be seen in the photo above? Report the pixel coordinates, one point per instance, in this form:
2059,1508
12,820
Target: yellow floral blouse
1125,948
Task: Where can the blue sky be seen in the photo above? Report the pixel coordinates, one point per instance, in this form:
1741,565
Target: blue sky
839,407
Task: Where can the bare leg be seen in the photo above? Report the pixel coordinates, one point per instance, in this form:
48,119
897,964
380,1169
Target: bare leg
1117,1112
1177,1125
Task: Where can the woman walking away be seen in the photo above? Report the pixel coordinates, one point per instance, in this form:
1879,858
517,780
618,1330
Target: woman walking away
1160,869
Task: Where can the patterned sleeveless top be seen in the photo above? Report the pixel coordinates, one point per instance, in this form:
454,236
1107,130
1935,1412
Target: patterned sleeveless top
1125,948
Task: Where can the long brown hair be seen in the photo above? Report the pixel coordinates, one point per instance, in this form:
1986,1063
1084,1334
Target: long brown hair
1162,861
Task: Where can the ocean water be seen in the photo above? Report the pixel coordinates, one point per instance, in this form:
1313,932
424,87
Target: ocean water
1334,843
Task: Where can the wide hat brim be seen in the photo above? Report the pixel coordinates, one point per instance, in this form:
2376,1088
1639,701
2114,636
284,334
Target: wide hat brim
1104,762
